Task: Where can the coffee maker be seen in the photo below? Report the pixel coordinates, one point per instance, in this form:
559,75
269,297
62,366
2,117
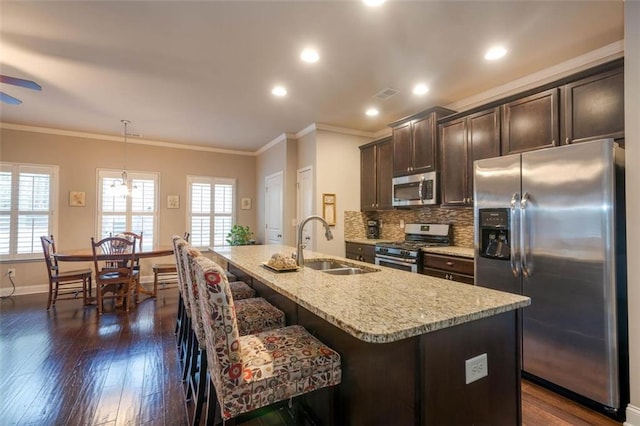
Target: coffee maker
373,229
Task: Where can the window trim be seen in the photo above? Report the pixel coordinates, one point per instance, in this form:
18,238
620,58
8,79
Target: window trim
131,174
54,206
191,179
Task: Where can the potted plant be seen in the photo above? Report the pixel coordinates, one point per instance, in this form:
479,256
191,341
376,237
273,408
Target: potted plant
240,236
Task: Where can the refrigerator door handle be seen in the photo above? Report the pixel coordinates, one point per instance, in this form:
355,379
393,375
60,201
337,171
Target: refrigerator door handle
527,267
515,252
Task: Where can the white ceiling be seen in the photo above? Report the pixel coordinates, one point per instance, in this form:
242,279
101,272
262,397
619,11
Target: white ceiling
200,73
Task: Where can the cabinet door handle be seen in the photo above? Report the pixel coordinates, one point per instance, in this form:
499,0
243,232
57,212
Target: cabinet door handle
554,143
567,141
449,263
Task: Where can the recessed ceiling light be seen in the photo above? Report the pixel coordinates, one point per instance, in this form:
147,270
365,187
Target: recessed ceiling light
420,89
309,55
372,112
279,91
373,3
495,52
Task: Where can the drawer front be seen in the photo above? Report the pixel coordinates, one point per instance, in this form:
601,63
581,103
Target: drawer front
361,252
361,257
466,279
449,263
363,249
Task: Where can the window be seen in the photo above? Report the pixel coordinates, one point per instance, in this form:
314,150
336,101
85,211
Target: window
137,212
211,210
28,208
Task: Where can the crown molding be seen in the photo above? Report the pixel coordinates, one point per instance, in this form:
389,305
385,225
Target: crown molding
96,136
310,128
591,59
283,137
336,129
344,130
382,133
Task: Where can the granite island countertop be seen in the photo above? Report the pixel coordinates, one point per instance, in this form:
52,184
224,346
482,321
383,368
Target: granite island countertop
376,307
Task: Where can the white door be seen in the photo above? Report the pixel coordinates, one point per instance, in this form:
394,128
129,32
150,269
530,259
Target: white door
305,204
273,208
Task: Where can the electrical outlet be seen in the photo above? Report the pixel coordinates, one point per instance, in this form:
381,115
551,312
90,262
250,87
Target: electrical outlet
476,368
11,272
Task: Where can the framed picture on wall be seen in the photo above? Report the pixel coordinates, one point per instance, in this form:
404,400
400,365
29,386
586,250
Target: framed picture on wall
76,199
329,208
173,201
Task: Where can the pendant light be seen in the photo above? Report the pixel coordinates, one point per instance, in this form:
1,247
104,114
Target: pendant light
121,188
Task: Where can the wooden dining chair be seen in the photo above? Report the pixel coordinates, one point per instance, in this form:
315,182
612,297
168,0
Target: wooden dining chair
115,273
64,285
136,238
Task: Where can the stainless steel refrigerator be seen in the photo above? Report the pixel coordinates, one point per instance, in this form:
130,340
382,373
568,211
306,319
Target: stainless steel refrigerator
550,225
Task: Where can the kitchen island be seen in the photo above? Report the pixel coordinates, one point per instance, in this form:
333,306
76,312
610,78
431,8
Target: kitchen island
404,340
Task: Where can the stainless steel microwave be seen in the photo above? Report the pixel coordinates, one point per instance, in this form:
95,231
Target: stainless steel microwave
415,190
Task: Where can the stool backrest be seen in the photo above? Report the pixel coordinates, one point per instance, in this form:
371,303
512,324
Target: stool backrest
189,255
220,323
179,244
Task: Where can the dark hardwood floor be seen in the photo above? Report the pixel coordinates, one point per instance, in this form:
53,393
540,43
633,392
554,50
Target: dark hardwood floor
70,367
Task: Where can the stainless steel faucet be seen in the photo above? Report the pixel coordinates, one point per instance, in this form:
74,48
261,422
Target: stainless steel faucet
300,246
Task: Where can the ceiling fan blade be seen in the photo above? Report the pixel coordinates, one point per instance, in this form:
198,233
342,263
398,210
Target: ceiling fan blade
7,99
20,82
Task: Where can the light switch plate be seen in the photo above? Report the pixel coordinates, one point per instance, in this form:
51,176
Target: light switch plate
476,368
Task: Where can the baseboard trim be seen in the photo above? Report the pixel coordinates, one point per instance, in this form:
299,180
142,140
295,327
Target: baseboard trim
44,288
633,416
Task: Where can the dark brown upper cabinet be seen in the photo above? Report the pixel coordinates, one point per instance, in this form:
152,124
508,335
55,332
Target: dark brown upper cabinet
531,123
594,108
463,141
415,142
376,173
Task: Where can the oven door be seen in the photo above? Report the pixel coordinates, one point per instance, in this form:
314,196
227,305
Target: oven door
409,265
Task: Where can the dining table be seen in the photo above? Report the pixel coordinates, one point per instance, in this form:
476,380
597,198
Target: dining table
86,255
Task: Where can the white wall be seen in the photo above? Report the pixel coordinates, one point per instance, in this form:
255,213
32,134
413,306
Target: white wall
338,172
632,144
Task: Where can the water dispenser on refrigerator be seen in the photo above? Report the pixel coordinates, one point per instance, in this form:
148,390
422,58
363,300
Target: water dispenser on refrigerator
494,234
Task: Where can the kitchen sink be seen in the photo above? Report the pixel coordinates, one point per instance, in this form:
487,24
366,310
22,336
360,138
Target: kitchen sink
345,271
321,265
334,267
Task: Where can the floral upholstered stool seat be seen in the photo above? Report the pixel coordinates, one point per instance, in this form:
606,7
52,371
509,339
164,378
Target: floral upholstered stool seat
256,315
256,370
241,290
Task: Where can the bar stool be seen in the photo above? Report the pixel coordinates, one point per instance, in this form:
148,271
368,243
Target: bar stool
182,329
255,314
253,371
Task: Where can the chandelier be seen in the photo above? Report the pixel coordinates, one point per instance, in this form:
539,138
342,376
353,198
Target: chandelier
121,189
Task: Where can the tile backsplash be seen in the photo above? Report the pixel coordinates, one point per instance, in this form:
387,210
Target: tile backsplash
461,220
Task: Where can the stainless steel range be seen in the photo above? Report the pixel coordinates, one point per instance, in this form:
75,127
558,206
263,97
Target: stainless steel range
406,255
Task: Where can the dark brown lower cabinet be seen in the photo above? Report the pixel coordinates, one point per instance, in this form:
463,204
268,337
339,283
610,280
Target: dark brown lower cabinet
419,380
361,252
453,268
